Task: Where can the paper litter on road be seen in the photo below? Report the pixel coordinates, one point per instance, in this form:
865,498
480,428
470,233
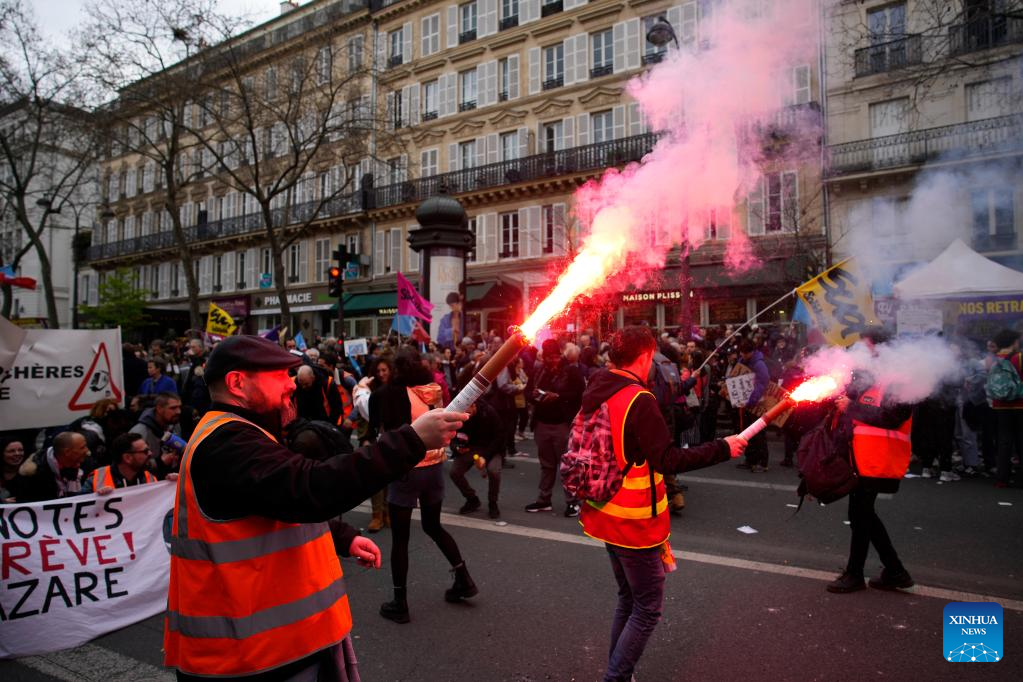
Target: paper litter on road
747,530
794,506
909,475
846,522
1005,504
501,523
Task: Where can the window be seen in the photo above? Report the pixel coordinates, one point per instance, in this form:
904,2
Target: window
355,46
396,107
549,7
324,62
548,227
240,270
430,91
395,170
296,268
352,244
267,262
395,39
428,161
889,118
218,273
602,48
510,235
887,23
466,22
467,87
431,34
652,53
509,146
476,247
553,138
321,260
509,14
602,126
467,154
270,82
505,79
719,224
799,86
988,99
994,219
394,250
774,204
554,66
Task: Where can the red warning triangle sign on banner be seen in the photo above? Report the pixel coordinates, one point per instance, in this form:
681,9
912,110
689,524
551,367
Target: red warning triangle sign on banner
97,384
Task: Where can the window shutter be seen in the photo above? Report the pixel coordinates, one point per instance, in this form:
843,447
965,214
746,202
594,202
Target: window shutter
636,125
568,47
492,82
529,10
492,148
790,218
674,17
618,122
452,26
582,57
481,85
394,256
252,268
406,104
618,38
227,279
406,43
633,44
488,17
755,210
303,261
688,33
523,142
447,94
380,253
205,274
490,238
479,147
529,234
389,112
582,129
572,4
164,280
559,230
413,256
513,76
534,70
412,96
453,160
381,51
568,132
424,36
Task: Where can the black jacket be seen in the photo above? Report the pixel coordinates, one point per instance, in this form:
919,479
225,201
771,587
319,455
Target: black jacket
567,381
483,433
646,434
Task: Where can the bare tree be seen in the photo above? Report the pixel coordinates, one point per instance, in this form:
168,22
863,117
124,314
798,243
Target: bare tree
292,136
46,145
143,53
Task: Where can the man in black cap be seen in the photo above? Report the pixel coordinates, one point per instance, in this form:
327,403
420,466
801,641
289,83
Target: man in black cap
252,560
556,393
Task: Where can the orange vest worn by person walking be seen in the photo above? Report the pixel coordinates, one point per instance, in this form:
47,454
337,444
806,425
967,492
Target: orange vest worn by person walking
103,477
880,453
250,594
637,516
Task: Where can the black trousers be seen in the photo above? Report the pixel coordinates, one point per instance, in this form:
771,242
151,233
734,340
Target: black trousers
934,433
756,451
868,530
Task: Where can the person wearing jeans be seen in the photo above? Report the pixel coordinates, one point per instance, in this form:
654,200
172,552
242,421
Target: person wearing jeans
640,577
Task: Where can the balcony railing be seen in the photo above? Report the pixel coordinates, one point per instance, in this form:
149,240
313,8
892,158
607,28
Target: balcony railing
983,33
653,57
429,115
890,56
549,8
467,105
502,96
552,83
394,60
1005,241
960,141
508,22
592,157
248,224
602,70
466,36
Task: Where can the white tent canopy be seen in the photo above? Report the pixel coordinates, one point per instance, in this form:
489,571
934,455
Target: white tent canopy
960,271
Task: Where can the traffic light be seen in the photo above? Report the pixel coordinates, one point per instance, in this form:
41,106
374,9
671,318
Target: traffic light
334,277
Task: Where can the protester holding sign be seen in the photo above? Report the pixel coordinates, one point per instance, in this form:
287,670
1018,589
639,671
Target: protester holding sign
290,612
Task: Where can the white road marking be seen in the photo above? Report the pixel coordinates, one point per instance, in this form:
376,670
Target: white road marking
95,664
712,559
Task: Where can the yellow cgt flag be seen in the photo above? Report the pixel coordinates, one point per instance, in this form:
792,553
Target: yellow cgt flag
219,322
839,302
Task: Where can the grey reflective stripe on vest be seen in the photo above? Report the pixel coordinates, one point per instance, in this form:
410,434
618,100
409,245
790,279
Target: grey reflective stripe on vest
187,469
247,548
248,626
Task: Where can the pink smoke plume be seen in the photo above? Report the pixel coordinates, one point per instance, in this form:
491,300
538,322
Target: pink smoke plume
716,103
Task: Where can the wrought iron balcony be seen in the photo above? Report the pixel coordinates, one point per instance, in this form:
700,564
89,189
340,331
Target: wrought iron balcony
502,96
429,115
508,22
552,83
587,158
961,141
394,60
602,70
466,36
467,105
654,57
983,33
549,8
890,56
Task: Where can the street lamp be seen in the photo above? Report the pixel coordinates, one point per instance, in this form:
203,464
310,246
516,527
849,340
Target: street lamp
661,32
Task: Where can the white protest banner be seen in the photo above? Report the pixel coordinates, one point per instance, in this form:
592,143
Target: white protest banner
740,388
919,320
57,375
81,566
355,347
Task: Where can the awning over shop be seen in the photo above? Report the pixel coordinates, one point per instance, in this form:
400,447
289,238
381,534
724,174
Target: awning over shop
771,272
370,303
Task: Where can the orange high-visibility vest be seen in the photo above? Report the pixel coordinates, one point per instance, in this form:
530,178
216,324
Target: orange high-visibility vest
637,516
877,452
103,477
250,594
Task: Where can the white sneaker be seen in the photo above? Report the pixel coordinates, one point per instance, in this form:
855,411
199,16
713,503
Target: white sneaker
949,476
925,473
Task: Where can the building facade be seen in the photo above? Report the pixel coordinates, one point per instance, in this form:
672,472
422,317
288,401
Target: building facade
509,105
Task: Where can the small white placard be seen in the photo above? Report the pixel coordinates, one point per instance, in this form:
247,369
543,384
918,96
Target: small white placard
356,347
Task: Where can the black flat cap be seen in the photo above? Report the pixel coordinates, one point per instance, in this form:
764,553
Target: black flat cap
247,353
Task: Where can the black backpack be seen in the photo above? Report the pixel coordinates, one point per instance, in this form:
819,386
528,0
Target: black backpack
827,474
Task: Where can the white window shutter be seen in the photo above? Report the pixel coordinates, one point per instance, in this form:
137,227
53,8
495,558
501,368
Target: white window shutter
424,36
413,255
529,238
568,47
534,70
406,43
689,23
488,17
635,119
481,85
618,38
394,256
618,122
523,142
165,280
633,44
755,210
582,129
560,230
380,253
252,268
513,76
303,261
479,147
491,84
572,4
205,274
381,51
406,105
447,86
413,98
582,58
490,237
492,148
529,10
453,160
227,278
674,16
452,31
568,132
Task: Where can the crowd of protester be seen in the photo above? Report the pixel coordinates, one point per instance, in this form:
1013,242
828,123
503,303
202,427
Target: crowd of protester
959,432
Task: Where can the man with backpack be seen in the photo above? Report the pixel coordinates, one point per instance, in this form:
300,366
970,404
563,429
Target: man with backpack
1005,390
626,451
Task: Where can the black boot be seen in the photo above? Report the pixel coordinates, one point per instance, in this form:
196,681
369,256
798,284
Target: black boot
463,588
396,609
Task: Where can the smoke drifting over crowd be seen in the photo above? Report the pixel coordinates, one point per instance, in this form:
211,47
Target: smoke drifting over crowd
715,101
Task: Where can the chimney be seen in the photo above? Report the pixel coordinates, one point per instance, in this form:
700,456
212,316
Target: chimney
288,5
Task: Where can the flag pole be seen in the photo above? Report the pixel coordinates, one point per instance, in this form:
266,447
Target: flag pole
740,328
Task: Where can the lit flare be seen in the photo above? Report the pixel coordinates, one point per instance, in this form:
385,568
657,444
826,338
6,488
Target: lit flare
815,389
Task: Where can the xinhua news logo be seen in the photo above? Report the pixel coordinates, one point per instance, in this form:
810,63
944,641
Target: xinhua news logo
972,632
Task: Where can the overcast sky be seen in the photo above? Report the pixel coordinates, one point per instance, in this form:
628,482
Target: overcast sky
57,17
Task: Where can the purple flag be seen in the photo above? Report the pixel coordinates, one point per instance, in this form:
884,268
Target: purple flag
410,302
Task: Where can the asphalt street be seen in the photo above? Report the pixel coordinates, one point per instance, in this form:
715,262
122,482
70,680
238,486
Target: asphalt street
740,605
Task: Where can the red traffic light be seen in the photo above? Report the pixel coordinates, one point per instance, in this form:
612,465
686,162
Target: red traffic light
334,271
